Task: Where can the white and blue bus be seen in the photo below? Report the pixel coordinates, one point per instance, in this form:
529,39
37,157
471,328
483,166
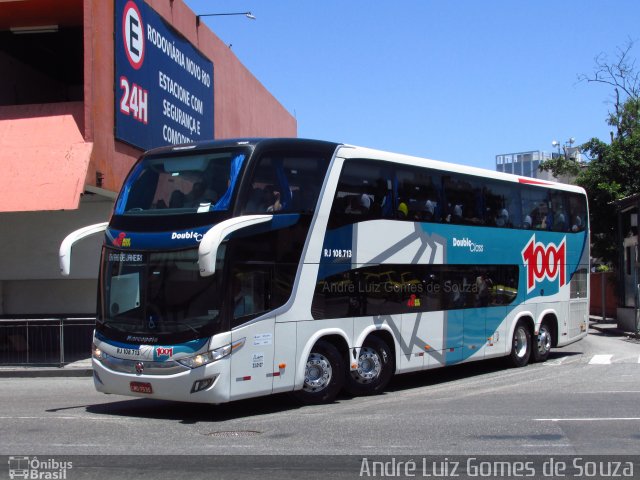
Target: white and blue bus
238,268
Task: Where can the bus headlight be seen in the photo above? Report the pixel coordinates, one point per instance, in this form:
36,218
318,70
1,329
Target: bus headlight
211,356
96,352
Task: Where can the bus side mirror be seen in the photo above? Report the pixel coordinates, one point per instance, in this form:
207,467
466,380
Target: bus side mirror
71,239
208,250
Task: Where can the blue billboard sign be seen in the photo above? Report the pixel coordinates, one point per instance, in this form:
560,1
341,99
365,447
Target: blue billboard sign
163,84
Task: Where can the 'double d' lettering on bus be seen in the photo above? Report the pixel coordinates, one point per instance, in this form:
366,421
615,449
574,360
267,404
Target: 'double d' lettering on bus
239,268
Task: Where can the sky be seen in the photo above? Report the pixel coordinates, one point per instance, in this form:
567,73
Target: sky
453,80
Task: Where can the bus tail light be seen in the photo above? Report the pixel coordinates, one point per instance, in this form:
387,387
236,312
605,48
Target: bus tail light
211,356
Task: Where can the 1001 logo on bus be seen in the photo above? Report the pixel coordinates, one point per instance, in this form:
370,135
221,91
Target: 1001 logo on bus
545,262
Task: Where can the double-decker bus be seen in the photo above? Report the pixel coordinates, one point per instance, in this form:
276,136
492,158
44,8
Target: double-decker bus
238,268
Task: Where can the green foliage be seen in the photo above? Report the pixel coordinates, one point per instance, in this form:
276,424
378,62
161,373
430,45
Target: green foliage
614,170
626,117
612,174
560,165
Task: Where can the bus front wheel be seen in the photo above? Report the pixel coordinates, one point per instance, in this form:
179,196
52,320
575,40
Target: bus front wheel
323,376
375,369
520,345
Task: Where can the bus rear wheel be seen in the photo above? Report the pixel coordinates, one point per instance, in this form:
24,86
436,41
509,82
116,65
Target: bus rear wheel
323,376
520,345
542,343
375,369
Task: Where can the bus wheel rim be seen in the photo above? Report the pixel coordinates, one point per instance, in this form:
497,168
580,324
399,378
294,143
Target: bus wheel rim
369,366
318,373
520,343
544,340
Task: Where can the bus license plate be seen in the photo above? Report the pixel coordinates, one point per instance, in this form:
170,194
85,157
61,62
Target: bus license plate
141,387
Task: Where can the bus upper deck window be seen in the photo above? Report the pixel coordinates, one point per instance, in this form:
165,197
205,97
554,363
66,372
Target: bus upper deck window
284,182
189,183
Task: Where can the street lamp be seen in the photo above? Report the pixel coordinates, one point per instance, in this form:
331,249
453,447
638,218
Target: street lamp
249,15
565,147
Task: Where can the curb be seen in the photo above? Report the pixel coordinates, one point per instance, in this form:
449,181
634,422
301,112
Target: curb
53,372
611,331
81,368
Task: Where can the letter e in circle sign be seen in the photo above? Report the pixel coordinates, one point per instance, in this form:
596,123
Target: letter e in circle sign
133,34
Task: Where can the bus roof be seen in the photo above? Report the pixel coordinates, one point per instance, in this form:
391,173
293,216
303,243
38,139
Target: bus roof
272,143
351,151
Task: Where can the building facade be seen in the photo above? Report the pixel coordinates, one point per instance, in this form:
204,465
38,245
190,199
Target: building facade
524,163
87,86
527,164
628,314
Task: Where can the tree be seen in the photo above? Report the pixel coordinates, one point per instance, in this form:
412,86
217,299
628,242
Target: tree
613,172
625,80
561,165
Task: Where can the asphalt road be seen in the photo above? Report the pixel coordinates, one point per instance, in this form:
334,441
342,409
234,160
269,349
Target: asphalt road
585,400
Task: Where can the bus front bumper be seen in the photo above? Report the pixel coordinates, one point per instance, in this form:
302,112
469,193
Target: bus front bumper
205,384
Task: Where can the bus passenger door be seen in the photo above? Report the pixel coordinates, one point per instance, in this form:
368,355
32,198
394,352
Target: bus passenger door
252,363
284,360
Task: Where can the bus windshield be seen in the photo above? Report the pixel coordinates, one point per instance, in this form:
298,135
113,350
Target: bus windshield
160,294
195,183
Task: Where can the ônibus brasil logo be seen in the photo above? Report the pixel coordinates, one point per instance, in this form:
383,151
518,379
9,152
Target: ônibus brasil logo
545,262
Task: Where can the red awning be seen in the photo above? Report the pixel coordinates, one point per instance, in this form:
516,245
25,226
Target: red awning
43,157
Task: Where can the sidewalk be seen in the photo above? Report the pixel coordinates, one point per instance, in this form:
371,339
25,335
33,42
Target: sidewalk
81,368
608,326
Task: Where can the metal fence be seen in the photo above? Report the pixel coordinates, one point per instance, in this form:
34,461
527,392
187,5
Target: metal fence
45,341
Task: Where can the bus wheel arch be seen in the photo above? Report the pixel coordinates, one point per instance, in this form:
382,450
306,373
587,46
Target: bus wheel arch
376,365
521,342
324,371
546,338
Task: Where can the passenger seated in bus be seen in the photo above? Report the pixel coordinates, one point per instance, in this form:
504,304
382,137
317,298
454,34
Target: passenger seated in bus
353,205
403,210
502,219
483,289
456,214
177,199
266,199
366,201
195,196
276,204
430,211
380,199
539,217
559,221
577,224
358,205
526,224
211,196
